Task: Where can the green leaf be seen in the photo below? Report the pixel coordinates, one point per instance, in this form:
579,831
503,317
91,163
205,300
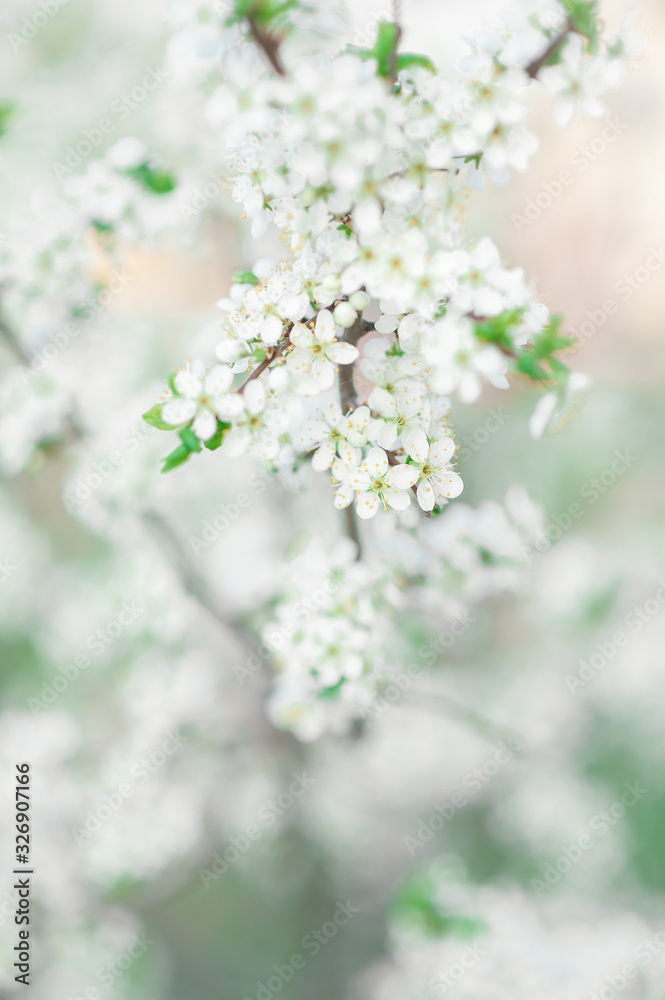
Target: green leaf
406,59
176,458
583,17
417,902
153,416
102,227
245,278
495,330
6,111
157,181
262,12
387,39
213,443
189,439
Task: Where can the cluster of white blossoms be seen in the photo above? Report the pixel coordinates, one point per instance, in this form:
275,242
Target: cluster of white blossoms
360,160
448,935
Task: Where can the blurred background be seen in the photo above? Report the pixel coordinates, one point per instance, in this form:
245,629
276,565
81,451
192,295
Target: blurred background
111,576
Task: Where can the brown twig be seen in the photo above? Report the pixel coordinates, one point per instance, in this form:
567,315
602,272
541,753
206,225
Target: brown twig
268,43
269,358
534,67
347,389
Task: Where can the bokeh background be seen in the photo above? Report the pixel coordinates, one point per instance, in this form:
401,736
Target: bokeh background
171,669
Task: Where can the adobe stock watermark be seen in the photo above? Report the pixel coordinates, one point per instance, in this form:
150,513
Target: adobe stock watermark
7,567
33,24
227,513
41,359
399,684
120,109
617,981
97,642
85,485
473,782
581,160
599,825
266,816
590,491
312,943
141,772
276,638
474,441
626,287
111,971
444,982
605,651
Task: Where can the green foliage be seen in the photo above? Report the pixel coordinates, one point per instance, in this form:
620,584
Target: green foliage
213,443
176,458
102,227
6,111
417,904
153,416
495,330
189,438
388,60
245,278
583,17
152,179
264,13
537,359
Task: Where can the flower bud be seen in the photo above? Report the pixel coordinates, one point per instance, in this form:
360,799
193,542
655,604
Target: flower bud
359,300
345,314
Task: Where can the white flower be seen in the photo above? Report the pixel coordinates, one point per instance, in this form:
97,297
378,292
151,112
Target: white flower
460,362
200,397
374,481
436,479
403,410
263,421
317,352
577,82
338,434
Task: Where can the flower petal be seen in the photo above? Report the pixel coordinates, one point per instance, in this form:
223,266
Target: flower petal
376,462
254,396
323,456
426,495
383,403
367,505
324,327
343,497
399,500
450,485
441,450
402,476
205,425
341,353
219,380
178,411
418,446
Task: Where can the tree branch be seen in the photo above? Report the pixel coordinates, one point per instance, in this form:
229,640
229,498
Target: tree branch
268,360
268,43
534,67
435,700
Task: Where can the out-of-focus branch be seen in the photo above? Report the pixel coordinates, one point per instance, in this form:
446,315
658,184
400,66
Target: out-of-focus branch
436,701
268,43
534,67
